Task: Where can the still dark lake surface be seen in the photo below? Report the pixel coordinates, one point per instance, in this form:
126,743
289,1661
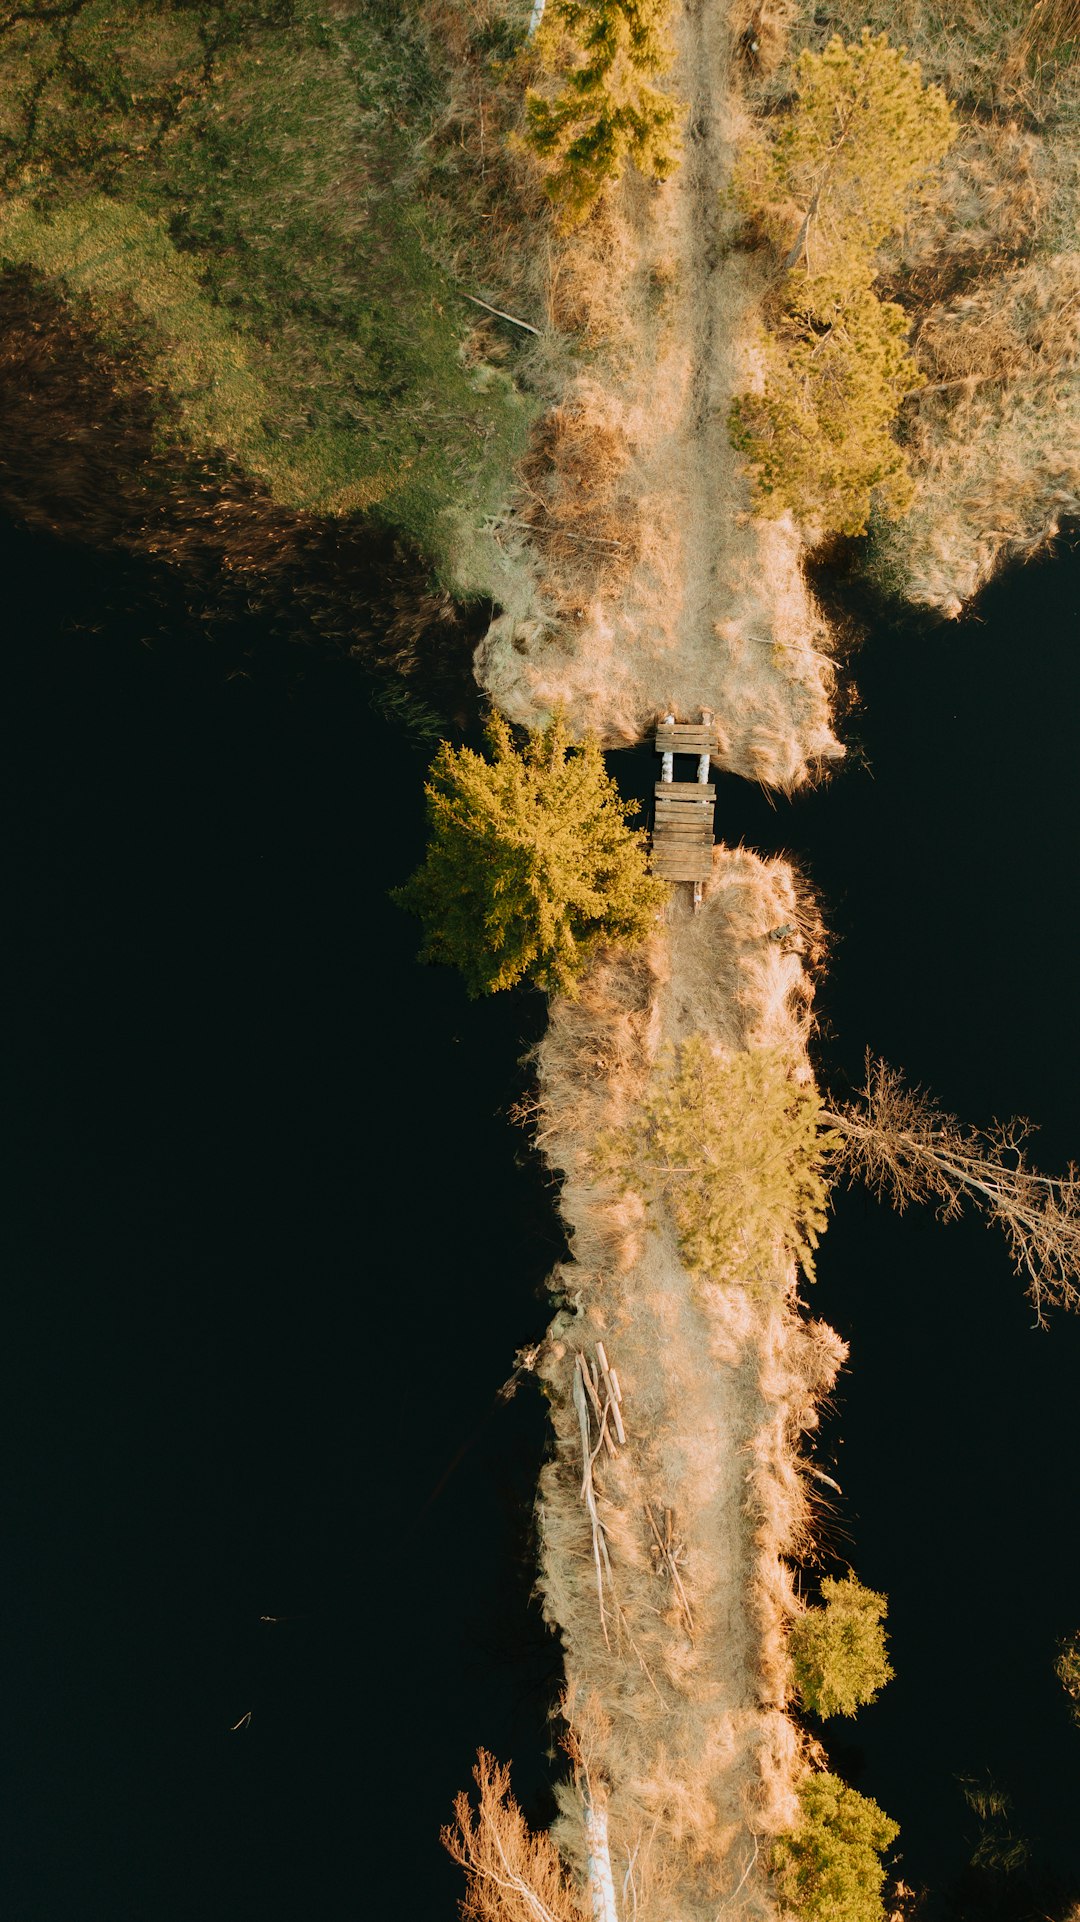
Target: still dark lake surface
271,1244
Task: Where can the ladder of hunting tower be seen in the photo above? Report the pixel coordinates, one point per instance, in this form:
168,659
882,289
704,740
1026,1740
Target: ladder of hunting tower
682,838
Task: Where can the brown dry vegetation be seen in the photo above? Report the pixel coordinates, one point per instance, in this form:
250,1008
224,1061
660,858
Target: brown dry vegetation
699,603
482,189
995,434
511,1875
585,517
679,1723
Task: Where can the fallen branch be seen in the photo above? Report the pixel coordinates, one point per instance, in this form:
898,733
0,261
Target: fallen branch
588,1496
669,1553
498,312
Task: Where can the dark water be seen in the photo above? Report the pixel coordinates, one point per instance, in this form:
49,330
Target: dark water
271,1245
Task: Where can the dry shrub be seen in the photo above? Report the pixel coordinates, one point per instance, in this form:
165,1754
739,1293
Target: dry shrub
511,1875
977,214
994,438
761,28
1026,324
580,502
590,286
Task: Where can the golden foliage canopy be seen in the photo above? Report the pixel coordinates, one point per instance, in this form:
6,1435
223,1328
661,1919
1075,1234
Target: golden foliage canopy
839,1650
530,863
819,435
863,131
829,1868
828,188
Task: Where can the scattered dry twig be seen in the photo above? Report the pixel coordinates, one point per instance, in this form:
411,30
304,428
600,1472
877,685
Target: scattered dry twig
669,1555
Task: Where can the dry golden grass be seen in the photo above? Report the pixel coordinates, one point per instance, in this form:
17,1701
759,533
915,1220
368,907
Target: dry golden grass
978,215
761,28
1027,324
700,605
684,1730
578,497
995,436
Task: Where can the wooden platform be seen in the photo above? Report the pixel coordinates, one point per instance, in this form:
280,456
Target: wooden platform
682,837
686,737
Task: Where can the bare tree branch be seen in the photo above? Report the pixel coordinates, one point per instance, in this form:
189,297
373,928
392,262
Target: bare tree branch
511,1875
906,1148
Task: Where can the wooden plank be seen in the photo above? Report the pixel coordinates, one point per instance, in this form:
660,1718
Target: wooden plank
686,740
682,871
695,851
683,811
692,790
693,740
699,830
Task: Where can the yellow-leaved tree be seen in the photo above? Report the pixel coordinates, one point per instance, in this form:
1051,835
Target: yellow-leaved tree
530,863
825,191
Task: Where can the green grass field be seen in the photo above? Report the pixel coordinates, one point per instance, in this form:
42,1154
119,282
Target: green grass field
241,186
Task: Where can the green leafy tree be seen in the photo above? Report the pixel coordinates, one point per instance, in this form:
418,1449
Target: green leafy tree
827,190
819,436
829,1868
734,1146
530,863
839,1650
606,110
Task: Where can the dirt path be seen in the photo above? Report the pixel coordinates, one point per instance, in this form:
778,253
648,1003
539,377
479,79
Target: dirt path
710,608
678,1709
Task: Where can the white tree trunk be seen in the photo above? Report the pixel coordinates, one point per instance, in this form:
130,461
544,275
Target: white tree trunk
536,16
667,761
601,1886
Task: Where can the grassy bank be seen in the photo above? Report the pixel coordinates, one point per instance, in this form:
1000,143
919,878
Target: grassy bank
273,202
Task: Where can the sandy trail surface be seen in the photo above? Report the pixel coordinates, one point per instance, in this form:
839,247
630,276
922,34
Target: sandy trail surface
712,608
677,1697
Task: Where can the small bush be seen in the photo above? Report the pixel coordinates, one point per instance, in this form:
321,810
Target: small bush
530,864
829,1868
734,1147
839,1650
1067,1670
